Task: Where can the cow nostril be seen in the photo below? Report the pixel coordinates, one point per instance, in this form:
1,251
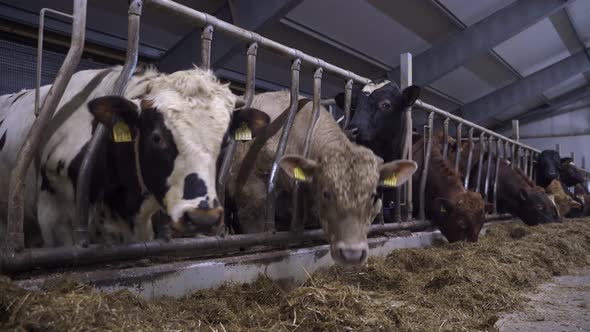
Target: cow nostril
353,255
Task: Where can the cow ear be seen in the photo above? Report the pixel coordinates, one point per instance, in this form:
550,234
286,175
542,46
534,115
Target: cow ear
110,109
396,173
247,123
410,95
523,194
298,167
445,205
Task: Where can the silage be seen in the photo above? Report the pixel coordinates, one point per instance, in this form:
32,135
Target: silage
450,287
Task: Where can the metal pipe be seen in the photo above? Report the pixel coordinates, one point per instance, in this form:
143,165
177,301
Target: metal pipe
202,19
427,107
406,80
488,169
506,149
480,164
459,147
525,164
206,37
230,149
469,157
424,177
40,53
297,222
94,254
496,172
513,155
100,133
272,180
347,102
446,138
14,232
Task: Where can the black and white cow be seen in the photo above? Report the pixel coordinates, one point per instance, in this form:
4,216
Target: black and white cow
165,135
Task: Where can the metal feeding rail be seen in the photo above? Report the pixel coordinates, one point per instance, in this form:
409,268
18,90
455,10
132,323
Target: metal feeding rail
14,259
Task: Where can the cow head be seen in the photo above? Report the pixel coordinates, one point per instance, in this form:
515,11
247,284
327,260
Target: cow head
176,129
377,114
462,217
547,167
344,184
569,173
536,207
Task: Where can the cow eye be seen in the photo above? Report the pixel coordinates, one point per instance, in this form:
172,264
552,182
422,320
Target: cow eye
156,138
385,105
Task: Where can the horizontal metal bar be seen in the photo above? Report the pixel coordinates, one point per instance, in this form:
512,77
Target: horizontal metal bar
203,19
430,108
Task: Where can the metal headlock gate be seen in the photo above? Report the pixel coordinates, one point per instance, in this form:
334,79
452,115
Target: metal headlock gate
15,258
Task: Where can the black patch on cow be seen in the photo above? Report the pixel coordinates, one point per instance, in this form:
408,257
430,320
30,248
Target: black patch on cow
203,205
3,140
194,187
60,166
18,96
45,184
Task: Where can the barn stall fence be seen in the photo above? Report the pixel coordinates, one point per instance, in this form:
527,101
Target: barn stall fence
16,258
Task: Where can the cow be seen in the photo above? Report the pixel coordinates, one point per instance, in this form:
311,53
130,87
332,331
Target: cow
516,193
458,213
339,178
567,206
164,136
547,167
569,173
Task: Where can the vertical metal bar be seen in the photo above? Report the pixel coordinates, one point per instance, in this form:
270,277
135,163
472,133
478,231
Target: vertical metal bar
583,162
446,138
480,164
15,214
496,174
531,165
230,149
517,157
459,147
272,180
206,37
100,134
406,80
347,101
558,148
424,176
488,169
296,220
513,152
573,156
469,157
506,149
525,161
515,131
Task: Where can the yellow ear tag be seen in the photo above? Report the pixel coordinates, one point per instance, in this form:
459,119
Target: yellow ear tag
121,132
243,133
298,174
391,181
442,209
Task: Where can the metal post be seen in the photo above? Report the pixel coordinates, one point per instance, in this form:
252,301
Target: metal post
469,157
531,165
230,149
480,164
525,161
272,180
558,148
446,138
496,173
406,80
488,169
347,101
573,156
296,220
513,153
506,149
206,37
40,53
424,176
459,147
100,133
515,131
583,162
14,232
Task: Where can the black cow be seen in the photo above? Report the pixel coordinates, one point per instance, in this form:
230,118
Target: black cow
570,174
547,168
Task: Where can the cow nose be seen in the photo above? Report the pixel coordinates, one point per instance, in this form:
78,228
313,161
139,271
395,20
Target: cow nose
355,256
203,220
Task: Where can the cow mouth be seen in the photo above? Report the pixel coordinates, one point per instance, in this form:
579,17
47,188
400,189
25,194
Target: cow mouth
349,254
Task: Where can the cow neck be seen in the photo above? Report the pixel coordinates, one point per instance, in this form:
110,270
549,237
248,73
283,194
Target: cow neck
326,135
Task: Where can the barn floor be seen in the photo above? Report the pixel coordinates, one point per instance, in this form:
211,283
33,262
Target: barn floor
449,287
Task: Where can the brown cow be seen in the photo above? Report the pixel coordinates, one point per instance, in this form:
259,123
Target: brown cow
457,212
341,178
565,203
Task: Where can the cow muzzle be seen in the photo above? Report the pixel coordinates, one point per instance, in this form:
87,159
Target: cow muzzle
350,254
204,221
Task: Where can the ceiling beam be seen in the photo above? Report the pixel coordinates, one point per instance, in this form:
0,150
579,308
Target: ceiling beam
483,109
479,38
247,14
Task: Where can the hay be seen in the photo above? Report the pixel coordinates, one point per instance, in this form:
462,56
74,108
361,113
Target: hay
452,287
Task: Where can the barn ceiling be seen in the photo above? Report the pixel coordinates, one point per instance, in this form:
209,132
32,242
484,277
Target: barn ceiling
530,67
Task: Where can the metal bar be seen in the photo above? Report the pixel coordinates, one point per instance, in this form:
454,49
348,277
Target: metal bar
446,138
488,170
506,149
525,162
230,149
480,164
272,180
426,164
406,80
496,173
40,52
93,254
531,166
469,157
100,133
459,147
206,37
14,233
347,102
202,19
513,153
427,107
